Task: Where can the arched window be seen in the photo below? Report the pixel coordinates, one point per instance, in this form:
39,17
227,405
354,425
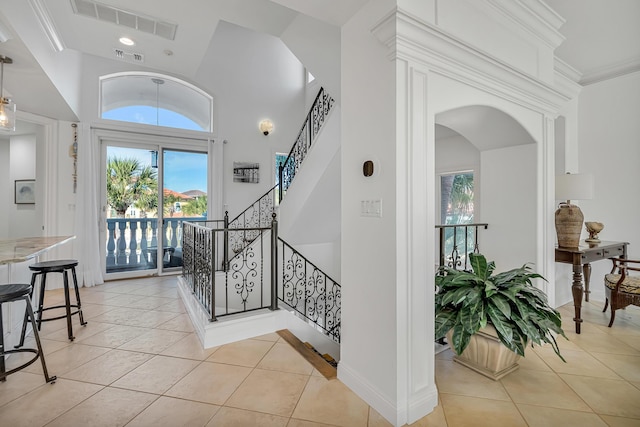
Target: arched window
156,100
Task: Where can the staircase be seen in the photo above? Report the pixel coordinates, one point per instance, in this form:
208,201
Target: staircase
241,265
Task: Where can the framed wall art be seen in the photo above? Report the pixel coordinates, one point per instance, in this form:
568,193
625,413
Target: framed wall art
25,192
246,172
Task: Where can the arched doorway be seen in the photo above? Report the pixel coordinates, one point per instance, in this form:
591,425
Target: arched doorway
500,155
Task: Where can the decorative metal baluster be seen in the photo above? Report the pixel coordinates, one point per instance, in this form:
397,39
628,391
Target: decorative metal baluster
454,251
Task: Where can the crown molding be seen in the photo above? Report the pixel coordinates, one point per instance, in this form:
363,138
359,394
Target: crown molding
535,16
47,25
567,78
566,70
408,37
610,71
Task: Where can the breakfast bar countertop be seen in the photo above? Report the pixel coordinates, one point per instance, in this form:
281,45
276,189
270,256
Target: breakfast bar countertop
24,248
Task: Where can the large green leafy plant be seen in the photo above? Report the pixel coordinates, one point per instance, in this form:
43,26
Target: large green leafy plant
468,301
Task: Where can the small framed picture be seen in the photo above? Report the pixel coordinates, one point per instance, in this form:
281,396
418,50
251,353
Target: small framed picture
246,172
25,192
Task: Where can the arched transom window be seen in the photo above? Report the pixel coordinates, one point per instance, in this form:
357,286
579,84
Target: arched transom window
156,100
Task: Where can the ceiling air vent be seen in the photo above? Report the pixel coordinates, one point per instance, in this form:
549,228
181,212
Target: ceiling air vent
126,18
128,56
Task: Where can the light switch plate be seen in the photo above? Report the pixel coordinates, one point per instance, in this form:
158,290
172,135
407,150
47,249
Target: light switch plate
371,208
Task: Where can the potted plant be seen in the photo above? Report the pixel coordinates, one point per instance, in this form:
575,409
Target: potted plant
478,305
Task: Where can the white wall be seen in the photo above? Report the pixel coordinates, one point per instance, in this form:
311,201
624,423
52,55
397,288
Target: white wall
508,186
609,148
255,78
25,220
317,45
6,192
369,365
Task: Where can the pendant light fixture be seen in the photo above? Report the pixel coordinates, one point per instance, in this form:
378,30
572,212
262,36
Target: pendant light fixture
7,107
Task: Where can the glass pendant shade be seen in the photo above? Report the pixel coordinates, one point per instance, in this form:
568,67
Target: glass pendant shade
7,114
7,107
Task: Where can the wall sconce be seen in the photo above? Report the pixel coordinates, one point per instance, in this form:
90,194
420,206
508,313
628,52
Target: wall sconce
7,107
266,126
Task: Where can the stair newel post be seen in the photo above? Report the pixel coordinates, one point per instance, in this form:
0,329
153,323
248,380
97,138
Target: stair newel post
225,248
442,230
212,243
280,181
274,262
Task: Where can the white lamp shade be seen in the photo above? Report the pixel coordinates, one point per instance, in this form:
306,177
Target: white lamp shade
577,186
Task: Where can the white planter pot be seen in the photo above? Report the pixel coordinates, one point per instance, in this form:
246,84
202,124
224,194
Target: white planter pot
486,355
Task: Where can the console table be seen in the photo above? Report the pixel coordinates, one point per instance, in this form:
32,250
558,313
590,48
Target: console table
581,259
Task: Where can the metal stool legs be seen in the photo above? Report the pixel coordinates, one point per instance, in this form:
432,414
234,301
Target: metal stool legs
67,306
39,353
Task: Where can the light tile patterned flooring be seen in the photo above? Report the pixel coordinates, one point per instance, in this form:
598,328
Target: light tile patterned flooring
139,363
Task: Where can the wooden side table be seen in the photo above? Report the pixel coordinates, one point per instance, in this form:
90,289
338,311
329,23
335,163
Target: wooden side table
581,259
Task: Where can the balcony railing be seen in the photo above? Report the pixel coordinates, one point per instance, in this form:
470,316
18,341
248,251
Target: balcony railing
456,241
132,243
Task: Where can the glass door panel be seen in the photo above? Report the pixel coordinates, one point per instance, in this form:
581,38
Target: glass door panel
184,198
131,209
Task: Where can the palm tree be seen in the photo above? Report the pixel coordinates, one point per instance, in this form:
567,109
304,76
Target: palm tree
148,195
128,182
170,203
462,196
195,207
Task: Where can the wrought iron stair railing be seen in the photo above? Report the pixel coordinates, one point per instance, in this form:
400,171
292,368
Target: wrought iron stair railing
243,228
316,117
267,271
300,285
258,214
309,291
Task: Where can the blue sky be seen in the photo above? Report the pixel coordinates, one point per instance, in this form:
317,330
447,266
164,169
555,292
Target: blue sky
183,171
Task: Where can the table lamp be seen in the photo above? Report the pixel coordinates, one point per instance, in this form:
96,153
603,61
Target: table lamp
569,218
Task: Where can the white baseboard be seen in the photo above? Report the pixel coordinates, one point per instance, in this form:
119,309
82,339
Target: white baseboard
396,414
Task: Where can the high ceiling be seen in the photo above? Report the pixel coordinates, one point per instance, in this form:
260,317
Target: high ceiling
602,37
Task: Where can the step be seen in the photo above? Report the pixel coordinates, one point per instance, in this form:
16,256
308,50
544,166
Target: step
306,350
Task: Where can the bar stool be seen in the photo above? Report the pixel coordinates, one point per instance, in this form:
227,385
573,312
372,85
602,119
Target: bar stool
17,292
56,266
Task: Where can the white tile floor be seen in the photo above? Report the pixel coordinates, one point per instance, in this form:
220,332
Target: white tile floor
139,363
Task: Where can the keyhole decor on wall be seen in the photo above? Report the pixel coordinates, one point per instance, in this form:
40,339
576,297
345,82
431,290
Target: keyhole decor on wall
367,168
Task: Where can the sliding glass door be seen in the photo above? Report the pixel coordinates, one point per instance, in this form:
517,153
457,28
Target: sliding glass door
184,198
149,191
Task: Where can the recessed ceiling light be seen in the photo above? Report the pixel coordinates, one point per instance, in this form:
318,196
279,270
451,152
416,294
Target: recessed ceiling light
127,41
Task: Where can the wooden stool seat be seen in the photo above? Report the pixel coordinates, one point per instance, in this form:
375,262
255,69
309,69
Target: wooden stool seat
17,292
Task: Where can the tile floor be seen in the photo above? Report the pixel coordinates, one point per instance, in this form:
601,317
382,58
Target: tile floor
139,363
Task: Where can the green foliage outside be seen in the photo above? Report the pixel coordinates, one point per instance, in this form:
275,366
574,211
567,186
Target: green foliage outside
129,183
